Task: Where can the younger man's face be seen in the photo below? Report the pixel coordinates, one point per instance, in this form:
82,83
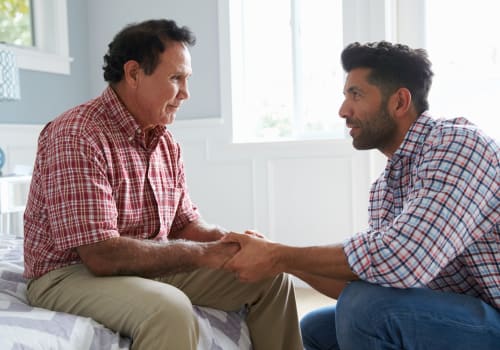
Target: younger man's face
365,111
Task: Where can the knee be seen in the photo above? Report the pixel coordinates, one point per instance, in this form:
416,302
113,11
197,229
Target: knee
356,297
308,326
283,279
278,284
362,300
354,308
177,308
318,329
362,310
309,329
170,315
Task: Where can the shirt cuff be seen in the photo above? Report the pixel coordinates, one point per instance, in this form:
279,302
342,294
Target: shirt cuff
357,253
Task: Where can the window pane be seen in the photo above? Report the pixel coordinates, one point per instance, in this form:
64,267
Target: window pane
292,79
465,51
267,66
15,22
322,75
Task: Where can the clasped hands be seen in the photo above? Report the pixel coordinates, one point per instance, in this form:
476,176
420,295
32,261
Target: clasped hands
255,259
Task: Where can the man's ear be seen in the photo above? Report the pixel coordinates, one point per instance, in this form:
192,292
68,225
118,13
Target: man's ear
400,101
131,70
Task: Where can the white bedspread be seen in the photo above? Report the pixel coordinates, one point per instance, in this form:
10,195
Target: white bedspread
25,327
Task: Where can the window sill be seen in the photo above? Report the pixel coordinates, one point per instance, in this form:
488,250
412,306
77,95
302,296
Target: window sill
37,60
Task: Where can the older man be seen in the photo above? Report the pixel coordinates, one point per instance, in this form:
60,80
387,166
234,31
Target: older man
111,232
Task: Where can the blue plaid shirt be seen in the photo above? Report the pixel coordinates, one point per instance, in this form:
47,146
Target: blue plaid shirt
433,214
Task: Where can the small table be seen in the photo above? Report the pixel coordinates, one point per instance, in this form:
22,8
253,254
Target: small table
14,191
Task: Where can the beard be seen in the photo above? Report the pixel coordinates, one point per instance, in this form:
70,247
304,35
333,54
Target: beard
376,131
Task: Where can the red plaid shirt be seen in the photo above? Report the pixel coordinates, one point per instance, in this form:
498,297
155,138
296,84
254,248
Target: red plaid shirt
434,214
94,178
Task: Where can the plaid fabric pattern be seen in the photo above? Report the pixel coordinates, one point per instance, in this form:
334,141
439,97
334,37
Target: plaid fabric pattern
94,178
433,214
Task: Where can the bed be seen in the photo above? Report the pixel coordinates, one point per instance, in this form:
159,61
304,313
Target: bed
25,327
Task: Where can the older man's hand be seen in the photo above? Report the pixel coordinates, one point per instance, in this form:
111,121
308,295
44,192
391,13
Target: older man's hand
257,258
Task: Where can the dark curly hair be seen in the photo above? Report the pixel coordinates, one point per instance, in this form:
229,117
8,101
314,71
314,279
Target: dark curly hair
142,42
392,66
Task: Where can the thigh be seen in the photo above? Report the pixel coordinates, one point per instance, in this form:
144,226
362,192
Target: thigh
120,303
318,329
414,318
217,288
269,303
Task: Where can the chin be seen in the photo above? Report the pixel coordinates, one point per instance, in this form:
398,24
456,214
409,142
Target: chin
169,119
360,145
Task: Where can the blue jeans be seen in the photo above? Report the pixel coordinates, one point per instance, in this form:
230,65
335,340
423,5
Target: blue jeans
371,317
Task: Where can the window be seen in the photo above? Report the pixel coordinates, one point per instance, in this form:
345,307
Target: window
284,55
15,22
465,52
288,82
48,49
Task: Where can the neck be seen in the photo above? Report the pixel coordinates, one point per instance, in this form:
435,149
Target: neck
404,124
128,101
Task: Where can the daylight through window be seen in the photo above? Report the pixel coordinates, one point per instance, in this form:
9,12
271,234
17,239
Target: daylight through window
16,22
466,61
291,78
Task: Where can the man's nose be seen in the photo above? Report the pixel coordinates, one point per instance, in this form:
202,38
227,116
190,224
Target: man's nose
184,91
344,110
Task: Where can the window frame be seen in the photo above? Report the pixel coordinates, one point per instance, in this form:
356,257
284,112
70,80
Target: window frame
373,20
51,51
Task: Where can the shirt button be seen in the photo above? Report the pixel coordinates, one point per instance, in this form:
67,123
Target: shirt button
130,138
138,131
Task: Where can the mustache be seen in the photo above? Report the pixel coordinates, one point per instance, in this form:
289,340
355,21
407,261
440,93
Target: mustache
351,123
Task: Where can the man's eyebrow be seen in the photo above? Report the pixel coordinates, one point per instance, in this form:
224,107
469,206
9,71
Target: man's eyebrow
352,89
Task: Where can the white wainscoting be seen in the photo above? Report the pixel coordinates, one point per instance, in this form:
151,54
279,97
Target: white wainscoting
299,193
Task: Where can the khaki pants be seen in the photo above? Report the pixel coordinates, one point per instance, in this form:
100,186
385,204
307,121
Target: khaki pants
157,314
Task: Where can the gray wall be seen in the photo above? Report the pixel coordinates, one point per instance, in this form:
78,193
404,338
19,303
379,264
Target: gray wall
108,17
92,24
46,95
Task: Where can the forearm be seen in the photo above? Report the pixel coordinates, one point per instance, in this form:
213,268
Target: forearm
129,256
328,262
199,231
259,258
328,286
153,259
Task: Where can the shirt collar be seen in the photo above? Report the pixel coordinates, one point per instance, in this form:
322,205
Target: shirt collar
123,119
409,148
415,137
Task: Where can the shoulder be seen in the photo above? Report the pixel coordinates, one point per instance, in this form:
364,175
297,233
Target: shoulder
460,138
82,122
